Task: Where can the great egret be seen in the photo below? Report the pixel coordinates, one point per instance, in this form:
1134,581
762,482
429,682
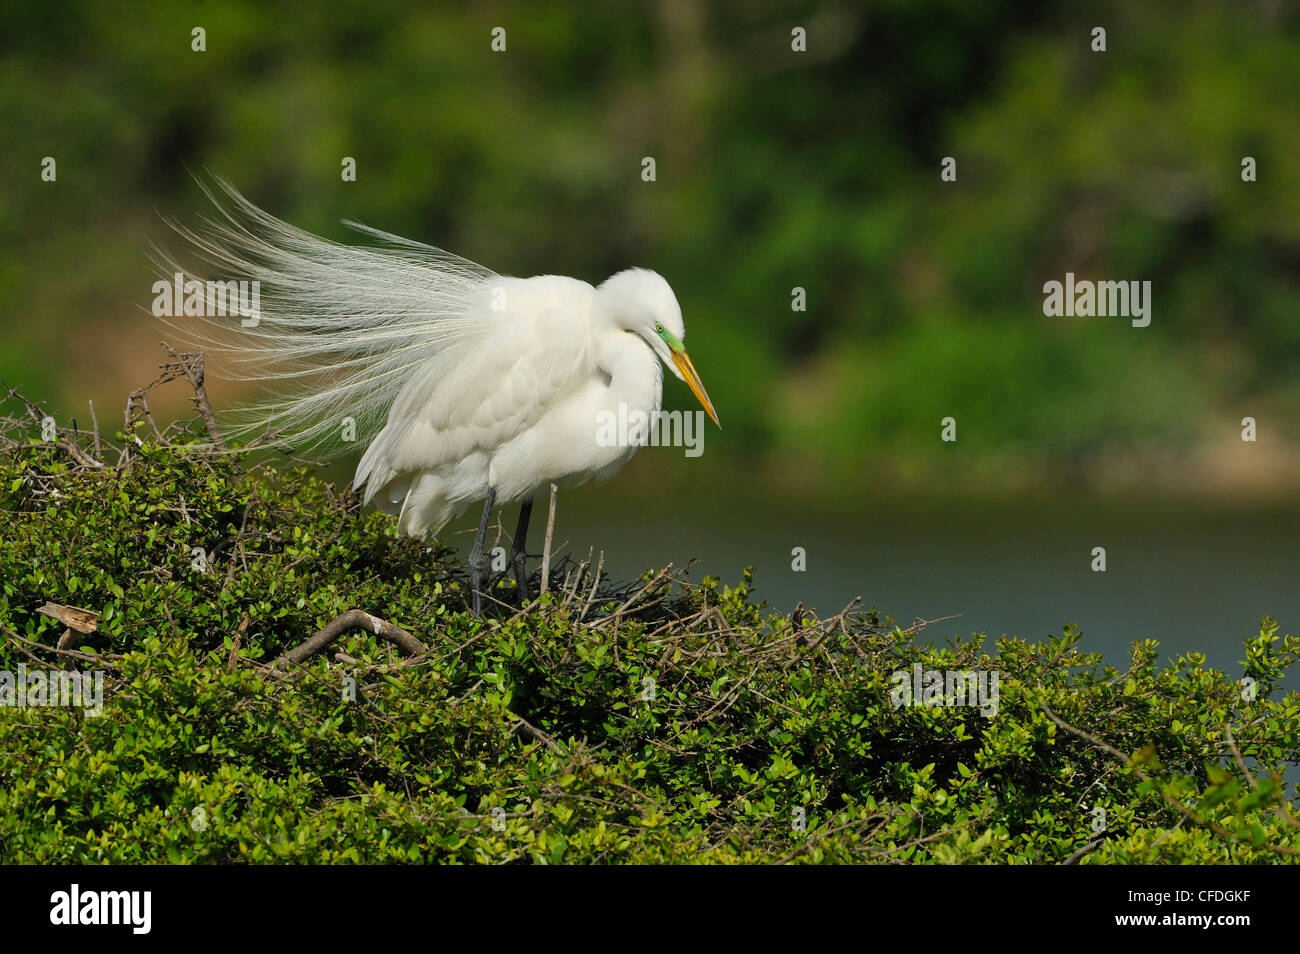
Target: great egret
463,384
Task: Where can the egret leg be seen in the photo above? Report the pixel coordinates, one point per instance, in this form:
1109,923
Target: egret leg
518,558
478,564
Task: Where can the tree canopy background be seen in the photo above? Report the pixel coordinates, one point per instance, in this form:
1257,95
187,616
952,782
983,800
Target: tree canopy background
775,169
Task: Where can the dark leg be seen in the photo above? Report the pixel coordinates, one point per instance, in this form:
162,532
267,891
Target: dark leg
478,564
518,558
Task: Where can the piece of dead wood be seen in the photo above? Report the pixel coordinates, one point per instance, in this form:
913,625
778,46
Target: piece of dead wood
345,623
79,622
82,620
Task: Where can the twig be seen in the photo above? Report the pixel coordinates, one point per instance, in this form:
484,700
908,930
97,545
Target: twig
536,733
657,579
594,583
95,425
61,438
239,543
920,624
546,548
70,653
1171,800
233,659
191,365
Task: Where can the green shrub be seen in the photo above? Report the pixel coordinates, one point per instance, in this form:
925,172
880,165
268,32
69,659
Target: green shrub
663,721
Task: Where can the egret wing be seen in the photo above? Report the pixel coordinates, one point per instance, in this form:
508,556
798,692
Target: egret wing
487,389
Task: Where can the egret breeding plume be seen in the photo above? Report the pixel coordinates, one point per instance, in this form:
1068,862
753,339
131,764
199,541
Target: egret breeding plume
463,385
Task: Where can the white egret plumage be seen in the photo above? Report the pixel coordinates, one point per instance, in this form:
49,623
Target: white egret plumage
463,385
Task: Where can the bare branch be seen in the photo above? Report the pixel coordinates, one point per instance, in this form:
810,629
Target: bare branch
352,620
546,548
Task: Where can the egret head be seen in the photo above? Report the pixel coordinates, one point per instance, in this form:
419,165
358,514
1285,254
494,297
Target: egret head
642,302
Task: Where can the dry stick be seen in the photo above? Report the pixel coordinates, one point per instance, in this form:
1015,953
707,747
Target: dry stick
496,542
546,549
1236,752
684,624
658,578
94,421
656,602
61,438
124,452
71,653
29,654
827,628
80,456
239,543
1254,782
346,622
920,624
1282,810
73,445
536,733
143,398
192,367
572,590
594,583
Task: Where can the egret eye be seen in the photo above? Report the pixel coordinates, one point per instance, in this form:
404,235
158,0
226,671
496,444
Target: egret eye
659,328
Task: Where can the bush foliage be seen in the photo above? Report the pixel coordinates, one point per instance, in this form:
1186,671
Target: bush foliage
661,721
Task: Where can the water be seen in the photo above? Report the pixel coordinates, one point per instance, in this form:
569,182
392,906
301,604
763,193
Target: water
1195,577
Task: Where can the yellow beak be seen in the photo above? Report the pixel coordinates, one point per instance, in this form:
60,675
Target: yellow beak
684,365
